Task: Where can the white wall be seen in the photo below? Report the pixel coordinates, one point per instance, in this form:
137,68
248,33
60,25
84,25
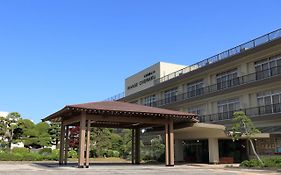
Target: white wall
145,78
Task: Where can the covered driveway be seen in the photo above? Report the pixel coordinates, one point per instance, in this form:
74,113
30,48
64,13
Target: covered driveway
116,114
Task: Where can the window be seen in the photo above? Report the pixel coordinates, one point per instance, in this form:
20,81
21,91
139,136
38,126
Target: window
150,100
227,107
268,67
199,110
170,95
269,101
227,79
195,89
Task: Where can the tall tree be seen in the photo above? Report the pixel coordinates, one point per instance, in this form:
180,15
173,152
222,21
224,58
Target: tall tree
244,127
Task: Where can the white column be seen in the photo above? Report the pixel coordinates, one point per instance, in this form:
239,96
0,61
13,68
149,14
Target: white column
178,150
213,150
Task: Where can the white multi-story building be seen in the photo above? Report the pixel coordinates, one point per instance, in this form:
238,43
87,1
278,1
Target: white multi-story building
246,77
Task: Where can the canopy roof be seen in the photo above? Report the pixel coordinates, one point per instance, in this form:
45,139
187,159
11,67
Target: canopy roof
120,109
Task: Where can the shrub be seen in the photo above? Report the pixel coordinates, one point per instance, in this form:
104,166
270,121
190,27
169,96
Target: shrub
273,162
115,153
72,154
32,157
45,151
54,155
10,156
20,150
251,163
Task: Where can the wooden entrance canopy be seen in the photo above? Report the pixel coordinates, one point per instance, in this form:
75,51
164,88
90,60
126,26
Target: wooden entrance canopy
116,114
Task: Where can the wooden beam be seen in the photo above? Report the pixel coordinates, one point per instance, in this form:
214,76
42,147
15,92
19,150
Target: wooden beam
81,159
88,143
71,120
128,119
137,150
66,145
62,135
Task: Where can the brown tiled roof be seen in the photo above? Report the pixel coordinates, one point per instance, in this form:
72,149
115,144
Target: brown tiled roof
121,108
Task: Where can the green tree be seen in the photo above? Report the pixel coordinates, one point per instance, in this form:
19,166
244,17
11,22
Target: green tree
127,143
54,132
102,142
244,127
35,135
157,148
9,128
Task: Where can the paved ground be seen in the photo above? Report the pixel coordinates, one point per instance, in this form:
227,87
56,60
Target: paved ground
26,168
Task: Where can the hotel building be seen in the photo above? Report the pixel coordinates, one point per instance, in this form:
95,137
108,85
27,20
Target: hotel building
244,78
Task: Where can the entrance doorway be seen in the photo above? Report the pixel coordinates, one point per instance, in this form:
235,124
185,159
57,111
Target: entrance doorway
196,151
232,152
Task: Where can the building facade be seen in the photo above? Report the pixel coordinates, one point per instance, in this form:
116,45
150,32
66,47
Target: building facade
245,78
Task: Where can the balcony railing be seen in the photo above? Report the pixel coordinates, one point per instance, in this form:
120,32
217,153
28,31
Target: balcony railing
223,55
235,82
116,97
251,112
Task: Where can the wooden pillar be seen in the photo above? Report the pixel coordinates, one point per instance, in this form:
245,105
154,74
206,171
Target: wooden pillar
167,146
88,143
171,142
137,142
66,145
81,154
133,146
62,134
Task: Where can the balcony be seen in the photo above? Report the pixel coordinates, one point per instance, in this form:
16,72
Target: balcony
251,112
222,86
223,55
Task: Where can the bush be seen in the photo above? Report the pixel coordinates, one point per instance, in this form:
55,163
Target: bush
10,157
272,162
20,150
72,154
25,155
45,151
112,153
32,157
250,163
54,155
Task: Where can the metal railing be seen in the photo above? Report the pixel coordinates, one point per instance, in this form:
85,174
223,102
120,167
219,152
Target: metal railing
116,97
223,55
252,112
246,79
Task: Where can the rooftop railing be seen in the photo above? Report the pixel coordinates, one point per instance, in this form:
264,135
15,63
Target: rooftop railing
251,112
116,97
223,55
224,85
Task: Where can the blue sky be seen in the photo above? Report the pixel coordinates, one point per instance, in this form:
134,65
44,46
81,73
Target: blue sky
54,53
